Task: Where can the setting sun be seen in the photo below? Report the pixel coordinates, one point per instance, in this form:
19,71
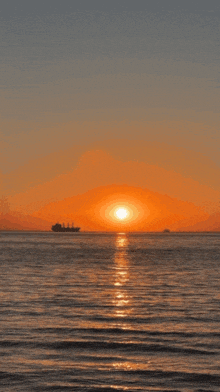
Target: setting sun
118,209
121,213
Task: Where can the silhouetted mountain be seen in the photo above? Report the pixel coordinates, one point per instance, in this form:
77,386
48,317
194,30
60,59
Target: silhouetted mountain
210,224
99,168
14,221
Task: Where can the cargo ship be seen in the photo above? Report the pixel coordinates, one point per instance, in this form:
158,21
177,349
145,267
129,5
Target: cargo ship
166,231
59,228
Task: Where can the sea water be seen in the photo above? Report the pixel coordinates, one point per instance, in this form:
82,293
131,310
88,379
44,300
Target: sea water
109,312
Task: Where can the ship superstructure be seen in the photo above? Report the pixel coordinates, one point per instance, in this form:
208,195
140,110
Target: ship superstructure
62,228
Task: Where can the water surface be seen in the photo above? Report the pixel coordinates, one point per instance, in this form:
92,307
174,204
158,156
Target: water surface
109,312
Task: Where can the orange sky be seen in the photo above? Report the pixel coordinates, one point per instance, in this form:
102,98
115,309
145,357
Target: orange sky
116,94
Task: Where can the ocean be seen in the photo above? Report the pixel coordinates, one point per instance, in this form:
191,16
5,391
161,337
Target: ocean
109,312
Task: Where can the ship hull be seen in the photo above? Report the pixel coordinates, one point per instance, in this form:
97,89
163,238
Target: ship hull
62,229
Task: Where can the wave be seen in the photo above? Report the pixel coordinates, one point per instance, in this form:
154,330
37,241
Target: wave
122,331
82,380
101,345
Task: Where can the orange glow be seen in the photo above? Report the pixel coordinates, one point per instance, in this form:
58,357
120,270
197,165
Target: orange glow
120,210
148,211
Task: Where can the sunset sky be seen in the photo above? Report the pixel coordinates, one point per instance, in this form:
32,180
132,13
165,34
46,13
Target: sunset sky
111,103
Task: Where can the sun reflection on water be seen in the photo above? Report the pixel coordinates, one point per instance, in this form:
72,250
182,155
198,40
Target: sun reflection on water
121,240
121,298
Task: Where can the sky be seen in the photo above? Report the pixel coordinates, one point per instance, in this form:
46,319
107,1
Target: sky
119,83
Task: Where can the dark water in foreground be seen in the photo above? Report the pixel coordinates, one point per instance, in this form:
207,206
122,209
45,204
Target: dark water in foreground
98,312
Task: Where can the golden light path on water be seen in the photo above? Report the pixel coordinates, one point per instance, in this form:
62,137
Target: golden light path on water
122,300
121,276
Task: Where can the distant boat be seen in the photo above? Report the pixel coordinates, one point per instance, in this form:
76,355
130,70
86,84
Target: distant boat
166,231
59,228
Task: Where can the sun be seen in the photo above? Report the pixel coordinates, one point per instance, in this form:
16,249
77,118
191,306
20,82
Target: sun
121,213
